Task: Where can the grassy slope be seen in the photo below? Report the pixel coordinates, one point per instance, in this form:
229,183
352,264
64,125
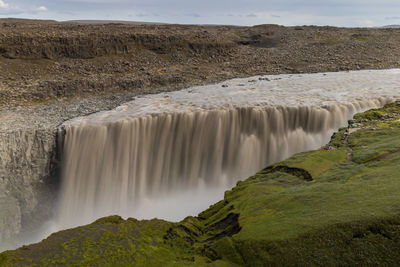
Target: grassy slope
349,214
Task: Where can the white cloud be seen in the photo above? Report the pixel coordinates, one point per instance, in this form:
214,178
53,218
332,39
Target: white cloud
368,23
3,5
393,18
41,8
355,13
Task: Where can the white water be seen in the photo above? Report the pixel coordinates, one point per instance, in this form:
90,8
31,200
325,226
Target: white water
173,154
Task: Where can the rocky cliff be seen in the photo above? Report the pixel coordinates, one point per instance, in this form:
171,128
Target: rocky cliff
27,162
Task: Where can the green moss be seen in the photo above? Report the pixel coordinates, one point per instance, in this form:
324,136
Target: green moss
390,111
110,220
318,161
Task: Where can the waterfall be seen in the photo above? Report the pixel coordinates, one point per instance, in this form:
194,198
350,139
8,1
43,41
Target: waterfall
111,167
173,154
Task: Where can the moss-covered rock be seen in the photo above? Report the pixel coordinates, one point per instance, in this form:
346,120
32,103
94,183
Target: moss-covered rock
347,214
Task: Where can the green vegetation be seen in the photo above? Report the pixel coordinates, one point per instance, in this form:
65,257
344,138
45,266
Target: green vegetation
347,213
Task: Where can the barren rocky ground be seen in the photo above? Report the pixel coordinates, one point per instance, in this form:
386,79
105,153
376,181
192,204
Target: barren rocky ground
45,60
51,72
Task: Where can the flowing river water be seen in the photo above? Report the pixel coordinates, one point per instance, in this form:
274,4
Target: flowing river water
173,154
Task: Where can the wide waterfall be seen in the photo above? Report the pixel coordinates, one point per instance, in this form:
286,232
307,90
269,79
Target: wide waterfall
172,154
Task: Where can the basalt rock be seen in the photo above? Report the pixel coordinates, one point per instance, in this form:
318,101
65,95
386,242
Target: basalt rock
28,169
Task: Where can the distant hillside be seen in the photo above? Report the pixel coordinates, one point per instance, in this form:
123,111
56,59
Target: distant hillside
27,21
97,22
391,26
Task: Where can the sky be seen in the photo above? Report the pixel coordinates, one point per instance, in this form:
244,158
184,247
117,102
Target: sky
345,13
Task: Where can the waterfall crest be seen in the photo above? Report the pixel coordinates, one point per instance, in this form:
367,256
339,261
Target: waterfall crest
112,167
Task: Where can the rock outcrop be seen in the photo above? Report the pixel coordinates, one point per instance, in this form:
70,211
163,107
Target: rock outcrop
27,179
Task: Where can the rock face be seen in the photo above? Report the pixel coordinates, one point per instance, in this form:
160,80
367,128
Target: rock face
27,170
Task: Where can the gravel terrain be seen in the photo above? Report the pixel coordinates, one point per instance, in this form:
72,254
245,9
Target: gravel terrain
42,61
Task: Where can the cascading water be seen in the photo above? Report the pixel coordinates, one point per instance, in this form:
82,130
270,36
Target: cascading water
173,154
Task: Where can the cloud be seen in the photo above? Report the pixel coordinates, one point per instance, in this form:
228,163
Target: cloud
355,13
3,5
102,1
193,15
141,15
368,23
41,8
392,18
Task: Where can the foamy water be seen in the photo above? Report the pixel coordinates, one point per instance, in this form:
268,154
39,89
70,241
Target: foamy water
294,90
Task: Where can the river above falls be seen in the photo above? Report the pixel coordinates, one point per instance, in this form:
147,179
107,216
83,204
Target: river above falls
293,90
